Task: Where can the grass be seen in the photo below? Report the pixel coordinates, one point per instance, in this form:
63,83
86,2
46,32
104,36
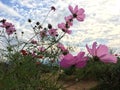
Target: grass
25,74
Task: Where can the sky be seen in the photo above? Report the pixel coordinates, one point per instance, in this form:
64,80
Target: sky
102,22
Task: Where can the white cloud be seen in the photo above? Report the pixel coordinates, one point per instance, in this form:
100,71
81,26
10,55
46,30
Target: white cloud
102,21
27,3
8,10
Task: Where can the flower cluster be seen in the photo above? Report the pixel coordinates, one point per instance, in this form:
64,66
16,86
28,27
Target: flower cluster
9,27
76,13
50,38
98,53
46,42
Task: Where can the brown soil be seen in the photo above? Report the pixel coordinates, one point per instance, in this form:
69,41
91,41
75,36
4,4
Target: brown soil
81,85
72,84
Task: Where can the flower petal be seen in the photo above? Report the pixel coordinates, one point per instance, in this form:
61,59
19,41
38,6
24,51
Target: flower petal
71,9
69,31
89,50
75,9
81,11
80,60
81,64
94,48
81,17
108,58
102,50
67,61
80,56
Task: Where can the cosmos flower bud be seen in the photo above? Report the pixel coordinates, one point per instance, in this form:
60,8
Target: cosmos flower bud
49,26
53,8
29,20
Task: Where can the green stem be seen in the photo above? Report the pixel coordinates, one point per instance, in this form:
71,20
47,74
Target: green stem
55,42
35,33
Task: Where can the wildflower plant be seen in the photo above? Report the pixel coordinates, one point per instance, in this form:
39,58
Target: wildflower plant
27,59
45,43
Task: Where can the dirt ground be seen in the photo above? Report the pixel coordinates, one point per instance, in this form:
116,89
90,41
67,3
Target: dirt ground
74,84
81,85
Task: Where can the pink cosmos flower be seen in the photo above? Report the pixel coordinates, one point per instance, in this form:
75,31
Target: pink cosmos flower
43,34
64,28
9,27
7,24
77,13
63,49
81,60
102,53
69,20
67,61
53,32
61,46
34,42
10,30
41,49
78,61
